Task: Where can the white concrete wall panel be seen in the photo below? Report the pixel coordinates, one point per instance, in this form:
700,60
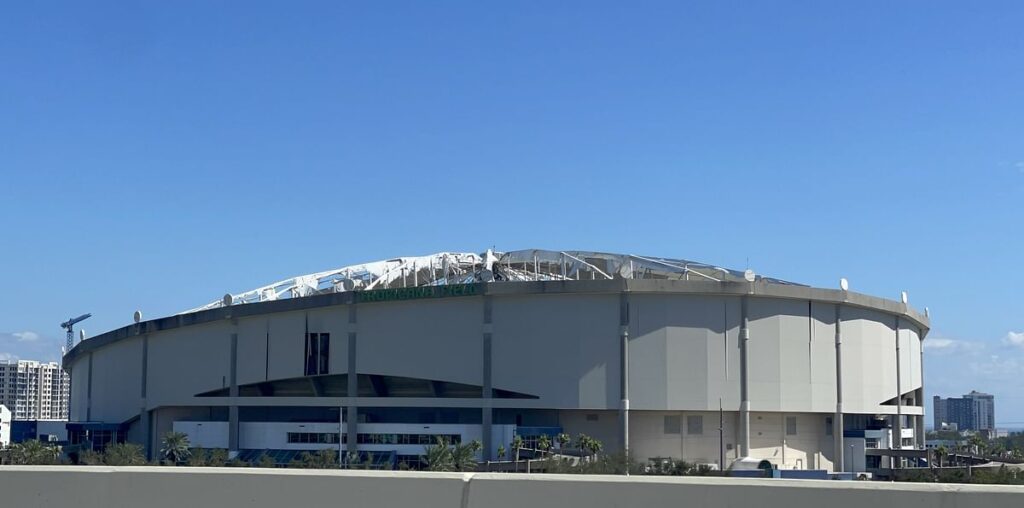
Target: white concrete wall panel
287,345
185,361
564,348
823,357
910,342
869,360
117,390
79,396
438,339
253,340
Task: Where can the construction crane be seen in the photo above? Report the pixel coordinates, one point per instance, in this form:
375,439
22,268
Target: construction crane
69,325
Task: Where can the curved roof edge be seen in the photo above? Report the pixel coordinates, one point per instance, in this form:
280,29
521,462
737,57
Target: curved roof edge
760,288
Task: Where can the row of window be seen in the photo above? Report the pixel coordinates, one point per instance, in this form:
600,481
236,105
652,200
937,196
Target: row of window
695,425
377,439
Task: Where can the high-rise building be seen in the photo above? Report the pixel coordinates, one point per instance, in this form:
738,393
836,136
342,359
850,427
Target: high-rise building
973,411
34,390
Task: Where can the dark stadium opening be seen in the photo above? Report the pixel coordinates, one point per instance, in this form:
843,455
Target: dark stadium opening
369,385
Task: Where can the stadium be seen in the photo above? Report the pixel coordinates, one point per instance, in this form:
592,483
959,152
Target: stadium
652,356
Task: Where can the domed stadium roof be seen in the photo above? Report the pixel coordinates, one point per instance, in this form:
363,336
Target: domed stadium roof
445,268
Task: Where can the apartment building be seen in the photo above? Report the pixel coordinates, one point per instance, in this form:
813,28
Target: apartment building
34,390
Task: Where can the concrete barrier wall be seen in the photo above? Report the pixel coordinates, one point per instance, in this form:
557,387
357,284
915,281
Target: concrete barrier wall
102,487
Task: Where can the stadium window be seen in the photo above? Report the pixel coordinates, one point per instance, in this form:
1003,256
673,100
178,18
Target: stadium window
695,425
318,348
325,350
790,425
672,424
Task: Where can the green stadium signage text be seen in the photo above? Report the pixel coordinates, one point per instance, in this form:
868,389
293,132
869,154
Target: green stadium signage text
415,293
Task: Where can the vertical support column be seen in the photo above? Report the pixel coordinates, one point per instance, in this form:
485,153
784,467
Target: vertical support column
487,411
744,437
624,371
147,448
352,411
88,393
837,421
233,394
898,428
919,434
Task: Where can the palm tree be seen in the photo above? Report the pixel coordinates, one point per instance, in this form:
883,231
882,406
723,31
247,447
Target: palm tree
501,452
464,456
175,448
517,444
33,453
544,443
589,445
563,440
940,453
438,457
977,444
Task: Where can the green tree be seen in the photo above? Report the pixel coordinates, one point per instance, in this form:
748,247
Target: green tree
501,452
438,456
464,455
940,453
589,445
544,443
175,449
124,454
517,444
563,440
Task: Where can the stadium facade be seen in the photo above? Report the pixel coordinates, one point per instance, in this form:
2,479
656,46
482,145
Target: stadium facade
638,352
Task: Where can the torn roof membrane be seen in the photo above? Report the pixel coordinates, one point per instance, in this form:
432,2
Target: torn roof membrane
465,267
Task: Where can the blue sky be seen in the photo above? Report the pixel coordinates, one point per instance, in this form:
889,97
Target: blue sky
154,156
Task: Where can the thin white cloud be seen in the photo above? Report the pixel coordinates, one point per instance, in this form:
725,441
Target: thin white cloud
934,344
7,356
26,336
1014,339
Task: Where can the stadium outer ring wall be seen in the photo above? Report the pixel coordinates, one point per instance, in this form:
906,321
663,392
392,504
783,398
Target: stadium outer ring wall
765,350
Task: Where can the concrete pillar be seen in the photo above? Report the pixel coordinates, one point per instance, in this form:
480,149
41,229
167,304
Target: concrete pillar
88,393
624,371
487,412
744,434
352,412
837,420
898,428
233,394
920,436
147,448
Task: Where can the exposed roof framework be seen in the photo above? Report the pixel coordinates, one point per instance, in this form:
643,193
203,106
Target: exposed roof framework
461,268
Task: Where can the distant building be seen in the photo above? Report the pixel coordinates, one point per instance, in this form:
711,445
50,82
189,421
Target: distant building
34,390
5,426
973,411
